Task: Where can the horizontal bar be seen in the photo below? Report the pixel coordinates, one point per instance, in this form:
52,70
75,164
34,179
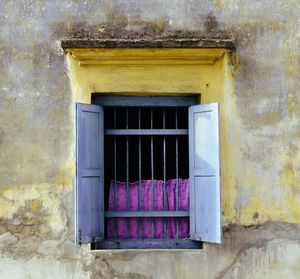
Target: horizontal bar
146,214
149,244
145,101
142,132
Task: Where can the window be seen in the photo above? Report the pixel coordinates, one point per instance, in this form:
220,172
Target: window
148,172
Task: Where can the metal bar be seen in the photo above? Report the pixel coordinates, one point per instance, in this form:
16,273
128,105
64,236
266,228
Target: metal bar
140,177
115,173
164,162
127,176
166,213
149,244
143,132
152,172
177,181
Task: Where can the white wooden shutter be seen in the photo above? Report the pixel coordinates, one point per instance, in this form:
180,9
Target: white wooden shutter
205,185
89,174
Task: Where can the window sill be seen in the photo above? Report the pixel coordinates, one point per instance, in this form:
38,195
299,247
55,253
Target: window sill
157,244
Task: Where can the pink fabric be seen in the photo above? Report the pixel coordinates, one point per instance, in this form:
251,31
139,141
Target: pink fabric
146,186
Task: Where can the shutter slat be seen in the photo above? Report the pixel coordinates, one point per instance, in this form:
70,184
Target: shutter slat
89,174
205,190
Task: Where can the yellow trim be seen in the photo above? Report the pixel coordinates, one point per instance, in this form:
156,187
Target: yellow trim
150,72
146,56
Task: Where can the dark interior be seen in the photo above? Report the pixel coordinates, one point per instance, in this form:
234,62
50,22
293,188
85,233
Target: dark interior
115,118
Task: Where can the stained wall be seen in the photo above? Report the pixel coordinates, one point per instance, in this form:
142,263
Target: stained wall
261,212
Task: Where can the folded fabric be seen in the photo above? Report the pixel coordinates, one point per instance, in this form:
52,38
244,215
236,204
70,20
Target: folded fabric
123,228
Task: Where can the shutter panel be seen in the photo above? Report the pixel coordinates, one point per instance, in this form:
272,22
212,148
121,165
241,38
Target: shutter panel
89,175
204,160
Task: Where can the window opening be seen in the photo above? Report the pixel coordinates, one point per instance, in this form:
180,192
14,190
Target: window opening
127,144
146,170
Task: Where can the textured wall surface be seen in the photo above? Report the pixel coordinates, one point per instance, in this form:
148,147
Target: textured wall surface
260,205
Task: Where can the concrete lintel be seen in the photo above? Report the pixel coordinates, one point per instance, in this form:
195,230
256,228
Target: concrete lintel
227,43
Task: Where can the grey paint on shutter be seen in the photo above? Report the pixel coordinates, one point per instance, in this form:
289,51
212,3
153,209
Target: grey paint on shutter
205,185
89,174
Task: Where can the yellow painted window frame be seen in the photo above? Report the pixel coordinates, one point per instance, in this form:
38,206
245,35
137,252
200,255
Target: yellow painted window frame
158,72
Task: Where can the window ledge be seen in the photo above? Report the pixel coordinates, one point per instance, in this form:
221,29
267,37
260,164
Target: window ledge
144,251
219,42
161,244
183,51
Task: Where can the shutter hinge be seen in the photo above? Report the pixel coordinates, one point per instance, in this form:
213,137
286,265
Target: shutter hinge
79,237
93,243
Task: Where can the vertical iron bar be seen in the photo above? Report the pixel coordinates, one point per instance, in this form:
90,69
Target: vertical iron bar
127,177
164,162
140,178
152,172
177,182
115,174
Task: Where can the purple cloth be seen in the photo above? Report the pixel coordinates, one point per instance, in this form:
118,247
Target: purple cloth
146,223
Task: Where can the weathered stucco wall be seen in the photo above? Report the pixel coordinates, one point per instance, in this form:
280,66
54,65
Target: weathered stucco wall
261,201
